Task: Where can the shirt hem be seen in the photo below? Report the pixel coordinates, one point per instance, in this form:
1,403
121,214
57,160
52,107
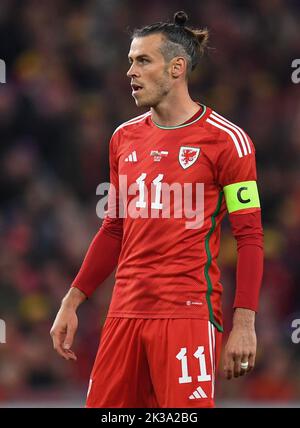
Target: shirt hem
150,315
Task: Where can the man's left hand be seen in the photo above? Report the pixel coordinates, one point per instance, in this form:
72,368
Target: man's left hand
240,350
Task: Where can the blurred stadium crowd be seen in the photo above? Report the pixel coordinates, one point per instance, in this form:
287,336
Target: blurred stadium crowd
66,91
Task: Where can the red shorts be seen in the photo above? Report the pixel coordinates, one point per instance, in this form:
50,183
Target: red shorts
155,363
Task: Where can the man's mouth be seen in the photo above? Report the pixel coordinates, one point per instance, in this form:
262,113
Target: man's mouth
135,87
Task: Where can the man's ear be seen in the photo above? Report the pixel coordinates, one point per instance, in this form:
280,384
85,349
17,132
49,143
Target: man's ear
178,67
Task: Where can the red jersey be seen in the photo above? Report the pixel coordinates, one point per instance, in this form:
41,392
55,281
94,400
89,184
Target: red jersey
167,269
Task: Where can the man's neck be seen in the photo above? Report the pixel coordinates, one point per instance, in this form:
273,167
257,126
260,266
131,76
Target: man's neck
174,110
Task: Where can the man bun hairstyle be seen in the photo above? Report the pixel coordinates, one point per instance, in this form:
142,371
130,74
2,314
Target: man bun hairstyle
180,40
180,18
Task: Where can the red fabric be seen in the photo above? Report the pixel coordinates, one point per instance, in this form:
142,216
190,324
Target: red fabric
166,269
165,265
99,262
138,365
248,232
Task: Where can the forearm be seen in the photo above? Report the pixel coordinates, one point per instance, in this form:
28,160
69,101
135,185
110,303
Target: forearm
248,277
248,232
99,262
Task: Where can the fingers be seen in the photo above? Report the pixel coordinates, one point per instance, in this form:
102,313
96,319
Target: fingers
237,366
233,364
69,339
70,355
251,361
68,343
240,351
57,345
67,354
62,343
228,365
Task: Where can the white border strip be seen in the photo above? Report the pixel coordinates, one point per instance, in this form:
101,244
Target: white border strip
133,121
237,146
238,128
210,341
241,138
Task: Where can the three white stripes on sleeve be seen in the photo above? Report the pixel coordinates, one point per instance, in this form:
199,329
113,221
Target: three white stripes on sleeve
238,136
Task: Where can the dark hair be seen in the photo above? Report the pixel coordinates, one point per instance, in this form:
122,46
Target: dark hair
179,39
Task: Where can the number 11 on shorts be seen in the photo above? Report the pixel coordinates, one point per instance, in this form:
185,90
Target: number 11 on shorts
199,354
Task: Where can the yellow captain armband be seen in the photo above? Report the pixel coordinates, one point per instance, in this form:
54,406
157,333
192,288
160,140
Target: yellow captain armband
241,196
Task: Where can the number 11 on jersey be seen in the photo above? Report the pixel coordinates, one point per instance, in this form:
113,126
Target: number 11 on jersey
157,182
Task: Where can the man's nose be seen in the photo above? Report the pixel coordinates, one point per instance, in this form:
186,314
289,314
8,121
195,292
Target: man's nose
132,72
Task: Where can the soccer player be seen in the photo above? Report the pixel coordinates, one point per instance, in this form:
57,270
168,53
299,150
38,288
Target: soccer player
161,341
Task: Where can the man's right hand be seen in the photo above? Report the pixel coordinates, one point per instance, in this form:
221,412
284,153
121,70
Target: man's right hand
66,323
